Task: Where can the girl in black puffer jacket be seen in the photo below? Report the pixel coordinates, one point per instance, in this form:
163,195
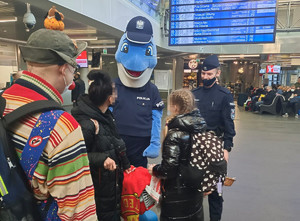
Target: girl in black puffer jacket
106,150
179,202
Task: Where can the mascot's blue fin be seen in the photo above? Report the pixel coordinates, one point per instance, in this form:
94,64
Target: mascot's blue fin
152,151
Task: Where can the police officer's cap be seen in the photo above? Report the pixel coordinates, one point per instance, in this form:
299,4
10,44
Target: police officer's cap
211,62
139,30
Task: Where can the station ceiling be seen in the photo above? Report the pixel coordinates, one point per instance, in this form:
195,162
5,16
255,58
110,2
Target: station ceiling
100,35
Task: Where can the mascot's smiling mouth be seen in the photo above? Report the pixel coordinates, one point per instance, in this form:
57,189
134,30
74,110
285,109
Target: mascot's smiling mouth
134,73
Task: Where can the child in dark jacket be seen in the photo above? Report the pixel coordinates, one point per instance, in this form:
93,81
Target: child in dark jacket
179,202
106,150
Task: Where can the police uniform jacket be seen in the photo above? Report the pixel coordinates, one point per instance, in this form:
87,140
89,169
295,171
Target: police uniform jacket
216,105
178,199
133,108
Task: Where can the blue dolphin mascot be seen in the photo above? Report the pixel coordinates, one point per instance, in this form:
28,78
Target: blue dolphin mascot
138,108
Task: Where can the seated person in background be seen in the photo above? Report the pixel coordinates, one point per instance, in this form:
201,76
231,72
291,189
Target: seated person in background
297,84
279,90
249,90
295,100
106,150
256,95
258,92
287,93
267,100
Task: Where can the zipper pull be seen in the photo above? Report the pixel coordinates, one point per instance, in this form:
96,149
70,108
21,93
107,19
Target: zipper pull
220,187
10,164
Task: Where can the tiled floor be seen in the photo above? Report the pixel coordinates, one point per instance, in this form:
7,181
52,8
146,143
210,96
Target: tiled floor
266,163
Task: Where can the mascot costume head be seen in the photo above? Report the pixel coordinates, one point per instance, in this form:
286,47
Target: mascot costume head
136,58
136,54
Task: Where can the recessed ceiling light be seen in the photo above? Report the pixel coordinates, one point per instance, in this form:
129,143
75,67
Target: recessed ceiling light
101,46
239,56
80,31
2,3
86,39
8,19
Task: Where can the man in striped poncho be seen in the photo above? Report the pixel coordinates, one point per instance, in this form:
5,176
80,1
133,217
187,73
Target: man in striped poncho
62,172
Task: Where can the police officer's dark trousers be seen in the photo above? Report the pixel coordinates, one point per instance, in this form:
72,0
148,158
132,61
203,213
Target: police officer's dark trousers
215,206
135,147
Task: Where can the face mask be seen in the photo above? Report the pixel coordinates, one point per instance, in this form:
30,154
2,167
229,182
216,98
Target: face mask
209,82
292,90
67,86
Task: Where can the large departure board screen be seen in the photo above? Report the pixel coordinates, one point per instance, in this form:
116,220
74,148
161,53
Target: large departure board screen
204,22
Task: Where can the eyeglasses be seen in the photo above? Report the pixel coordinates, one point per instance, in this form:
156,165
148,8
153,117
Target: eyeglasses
75,69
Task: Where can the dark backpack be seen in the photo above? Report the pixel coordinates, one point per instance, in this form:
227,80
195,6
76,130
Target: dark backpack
15,194
205,163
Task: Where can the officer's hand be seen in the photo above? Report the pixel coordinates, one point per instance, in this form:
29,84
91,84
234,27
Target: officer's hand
110,164
226,155
206,193
152,151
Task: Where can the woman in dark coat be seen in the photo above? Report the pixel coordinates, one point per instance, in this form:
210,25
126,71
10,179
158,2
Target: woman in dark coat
106,150
179,202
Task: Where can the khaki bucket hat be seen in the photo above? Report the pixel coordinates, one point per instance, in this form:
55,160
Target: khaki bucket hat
51,47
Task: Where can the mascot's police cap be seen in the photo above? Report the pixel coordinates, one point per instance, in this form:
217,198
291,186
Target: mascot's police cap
139,30
211,62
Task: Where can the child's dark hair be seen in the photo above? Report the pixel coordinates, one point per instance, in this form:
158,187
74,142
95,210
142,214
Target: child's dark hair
100,88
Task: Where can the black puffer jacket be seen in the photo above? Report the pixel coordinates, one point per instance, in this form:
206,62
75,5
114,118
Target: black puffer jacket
107,143
178,199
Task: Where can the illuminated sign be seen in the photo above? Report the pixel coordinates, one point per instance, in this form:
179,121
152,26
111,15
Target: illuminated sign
273,69
82,60
201,22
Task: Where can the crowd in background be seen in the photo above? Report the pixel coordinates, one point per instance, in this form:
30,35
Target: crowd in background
266,94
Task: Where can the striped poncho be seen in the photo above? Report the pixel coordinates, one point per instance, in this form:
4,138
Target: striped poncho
63,170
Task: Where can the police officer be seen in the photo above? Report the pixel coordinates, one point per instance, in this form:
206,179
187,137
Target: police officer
138,108
217,108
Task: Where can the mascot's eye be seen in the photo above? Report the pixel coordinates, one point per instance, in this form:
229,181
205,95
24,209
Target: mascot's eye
124,47
149,51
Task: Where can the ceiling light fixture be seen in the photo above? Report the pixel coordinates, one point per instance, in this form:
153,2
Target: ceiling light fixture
86,39
101,46
104,42
240,56
79,31
2,3
8,19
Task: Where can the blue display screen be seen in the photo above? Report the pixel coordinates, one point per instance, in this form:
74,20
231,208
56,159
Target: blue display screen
194,22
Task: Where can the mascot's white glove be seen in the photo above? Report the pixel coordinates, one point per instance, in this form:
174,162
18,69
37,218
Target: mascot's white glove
152,151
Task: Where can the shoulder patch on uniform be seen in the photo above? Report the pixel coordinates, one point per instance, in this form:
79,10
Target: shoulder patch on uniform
224,90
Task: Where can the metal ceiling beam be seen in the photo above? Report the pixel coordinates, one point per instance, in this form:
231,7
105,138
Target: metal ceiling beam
12,41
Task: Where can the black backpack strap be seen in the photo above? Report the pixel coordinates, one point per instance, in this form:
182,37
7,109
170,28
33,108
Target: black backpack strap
2,104
31,108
